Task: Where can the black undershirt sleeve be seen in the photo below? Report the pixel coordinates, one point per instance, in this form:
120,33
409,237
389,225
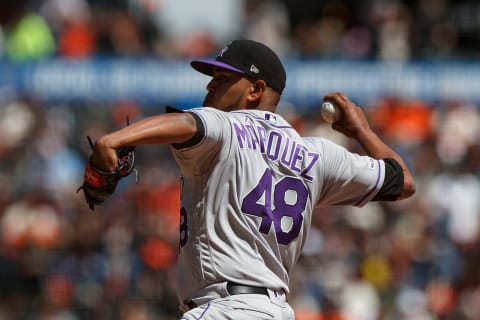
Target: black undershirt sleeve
198,135
393,183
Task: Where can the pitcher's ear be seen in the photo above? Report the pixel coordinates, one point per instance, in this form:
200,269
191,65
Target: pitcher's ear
259,85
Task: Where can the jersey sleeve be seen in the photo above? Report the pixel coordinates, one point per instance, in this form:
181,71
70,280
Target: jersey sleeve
199,157
348,178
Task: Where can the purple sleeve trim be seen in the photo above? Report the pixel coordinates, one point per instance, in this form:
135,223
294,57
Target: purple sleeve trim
374,187
204,311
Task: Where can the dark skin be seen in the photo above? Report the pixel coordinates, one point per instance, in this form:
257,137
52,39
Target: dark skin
229,91
354,124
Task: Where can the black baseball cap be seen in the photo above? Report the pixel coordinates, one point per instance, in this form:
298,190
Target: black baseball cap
250,58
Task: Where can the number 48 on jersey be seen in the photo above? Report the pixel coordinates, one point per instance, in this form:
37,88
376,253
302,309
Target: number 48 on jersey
283,210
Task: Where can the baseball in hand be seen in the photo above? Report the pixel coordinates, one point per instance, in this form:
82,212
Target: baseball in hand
330,112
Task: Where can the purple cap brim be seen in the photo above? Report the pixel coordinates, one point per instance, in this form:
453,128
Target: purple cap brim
206,66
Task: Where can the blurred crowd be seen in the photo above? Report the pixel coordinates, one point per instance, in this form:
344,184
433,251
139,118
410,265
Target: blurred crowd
415,259
372,29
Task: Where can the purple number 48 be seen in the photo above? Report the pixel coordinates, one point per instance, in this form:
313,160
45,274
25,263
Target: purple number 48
275,213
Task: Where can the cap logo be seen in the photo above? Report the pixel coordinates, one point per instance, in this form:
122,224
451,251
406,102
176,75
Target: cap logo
223,51
254,69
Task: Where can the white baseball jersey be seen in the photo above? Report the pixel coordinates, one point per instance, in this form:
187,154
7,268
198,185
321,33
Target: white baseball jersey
248,191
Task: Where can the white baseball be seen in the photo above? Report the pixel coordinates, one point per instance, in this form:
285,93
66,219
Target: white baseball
329,112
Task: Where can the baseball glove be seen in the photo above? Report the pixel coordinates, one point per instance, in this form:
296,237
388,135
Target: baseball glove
98,185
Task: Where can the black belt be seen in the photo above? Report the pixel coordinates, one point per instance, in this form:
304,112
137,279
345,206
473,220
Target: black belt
235,288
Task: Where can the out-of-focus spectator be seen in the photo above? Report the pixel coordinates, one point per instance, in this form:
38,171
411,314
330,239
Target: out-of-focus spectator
195,29
60,13
458,130
76,41
385,30
456,207
404,122
267,22
322,36
394,23
411,304
70,21
31,222
135,310
30,38
359,301
125,35
17,122
62,164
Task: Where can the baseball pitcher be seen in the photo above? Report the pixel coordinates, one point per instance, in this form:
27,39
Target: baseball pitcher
250,183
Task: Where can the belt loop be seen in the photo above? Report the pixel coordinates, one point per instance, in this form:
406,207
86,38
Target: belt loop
279,295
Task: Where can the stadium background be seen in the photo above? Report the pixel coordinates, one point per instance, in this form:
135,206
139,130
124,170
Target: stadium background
71,68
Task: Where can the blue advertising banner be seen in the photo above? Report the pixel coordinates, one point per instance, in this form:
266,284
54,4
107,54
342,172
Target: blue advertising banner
152,81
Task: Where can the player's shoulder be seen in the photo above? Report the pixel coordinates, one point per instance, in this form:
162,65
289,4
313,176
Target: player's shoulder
237,114
261,116
208,114
244,116
209,111
321,143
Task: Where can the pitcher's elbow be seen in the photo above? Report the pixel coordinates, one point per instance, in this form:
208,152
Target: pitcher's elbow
408,189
